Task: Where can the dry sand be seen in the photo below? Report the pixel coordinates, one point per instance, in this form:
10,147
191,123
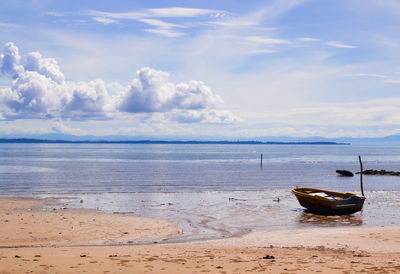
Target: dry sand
33,240
24,224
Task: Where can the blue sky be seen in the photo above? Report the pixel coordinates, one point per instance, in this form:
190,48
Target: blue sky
210,69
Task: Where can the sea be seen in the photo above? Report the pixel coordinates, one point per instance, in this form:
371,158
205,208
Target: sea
211,190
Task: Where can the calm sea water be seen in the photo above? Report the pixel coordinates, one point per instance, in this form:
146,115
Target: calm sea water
211,190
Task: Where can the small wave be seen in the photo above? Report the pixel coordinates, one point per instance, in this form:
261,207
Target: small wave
24,169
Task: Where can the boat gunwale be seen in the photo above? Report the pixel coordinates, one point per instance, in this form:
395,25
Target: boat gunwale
296,192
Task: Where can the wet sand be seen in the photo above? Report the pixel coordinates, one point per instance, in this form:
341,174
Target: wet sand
67,240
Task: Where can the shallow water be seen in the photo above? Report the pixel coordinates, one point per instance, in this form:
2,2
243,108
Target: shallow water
211,190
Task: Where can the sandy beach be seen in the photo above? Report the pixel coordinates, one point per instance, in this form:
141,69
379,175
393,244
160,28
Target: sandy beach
64,240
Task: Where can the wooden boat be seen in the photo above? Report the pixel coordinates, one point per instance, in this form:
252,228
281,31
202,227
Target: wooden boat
328,202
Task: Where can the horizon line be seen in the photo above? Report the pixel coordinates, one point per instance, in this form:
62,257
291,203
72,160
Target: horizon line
33,140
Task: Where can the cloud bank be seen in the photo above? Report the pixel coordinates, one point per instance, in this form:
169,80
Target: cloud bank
39,90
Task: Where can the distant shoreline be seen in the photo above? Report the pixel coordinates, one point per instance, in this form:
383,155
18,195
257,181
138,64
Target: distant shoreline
44,141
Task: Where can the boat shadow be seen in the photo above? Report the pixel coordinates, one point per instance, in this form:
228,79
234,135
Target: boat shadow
307,217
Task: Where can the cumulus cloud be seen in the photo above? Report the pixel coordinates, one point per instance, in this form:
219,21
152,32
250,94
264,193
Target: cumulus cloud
39,90
31,93
10,60
85,99
151,91
47,67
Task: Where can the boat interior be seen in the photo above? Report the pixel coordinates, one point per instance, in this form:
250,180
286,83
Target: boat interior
326,194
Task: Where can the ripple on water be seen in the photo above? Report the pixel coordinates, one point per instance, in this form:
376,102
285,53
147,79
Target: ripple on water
24,169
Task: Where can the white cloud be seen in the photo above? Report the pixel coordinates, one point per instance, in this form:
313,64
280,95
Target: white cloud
173,12
361,113
44,66
265,40
340,45
117,15
163,28
10,60
261,51
205,116
307,39
184,12
60,127
369,75
151,91
105,20
148,17
165,32
33,94
385,78
39,90
160,24
85,99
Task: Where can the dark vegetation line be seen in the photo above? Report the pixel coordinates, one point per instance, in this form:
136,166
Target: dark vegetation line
44,141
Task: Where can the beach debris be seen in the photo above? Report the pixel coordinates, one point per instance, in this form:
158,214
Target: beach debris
82,255
268,257
37,256
345,173
17,256
380,172
114,255
276,200
81,201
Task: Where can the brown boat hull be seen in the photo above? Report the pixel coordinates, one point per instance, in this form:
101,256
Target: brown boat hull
335,203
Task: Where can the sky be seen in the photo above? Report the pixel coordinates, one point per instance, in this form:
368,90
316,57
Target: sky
200,69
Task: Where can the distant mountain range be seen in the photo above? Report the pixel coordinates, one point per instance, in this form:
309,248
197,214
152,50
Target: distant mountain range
64,138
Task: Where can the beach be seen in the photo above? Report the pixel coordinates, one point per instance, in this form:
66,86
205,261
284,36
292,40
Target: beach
39,238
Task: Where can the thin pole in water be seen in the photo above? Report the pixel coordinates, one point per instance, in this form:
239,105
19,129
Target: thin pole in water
361,176
261,160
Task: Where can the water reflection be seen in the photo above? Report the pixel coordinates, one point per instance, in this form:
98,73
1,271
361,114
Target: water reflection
329,221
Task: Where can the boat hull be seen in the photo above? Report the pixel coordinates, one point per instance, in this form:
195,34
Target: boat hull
334,203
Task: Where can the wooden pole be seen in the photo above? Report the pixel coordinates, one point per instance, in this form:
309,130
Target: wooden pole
261,160
361,176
